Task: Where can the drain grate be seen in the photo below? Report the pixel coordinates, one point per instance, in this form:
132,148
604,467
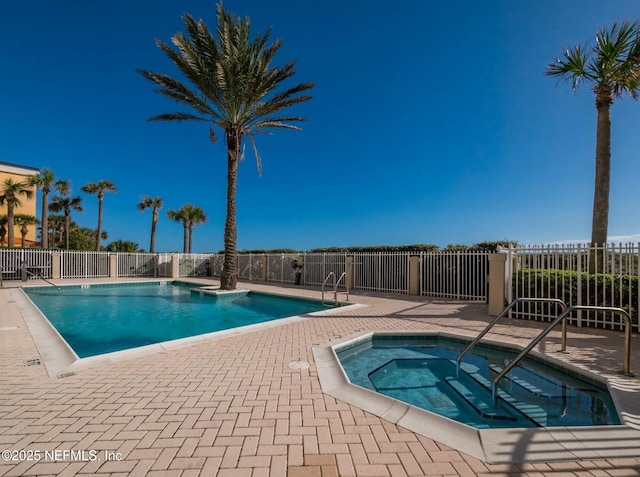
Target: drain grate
32,362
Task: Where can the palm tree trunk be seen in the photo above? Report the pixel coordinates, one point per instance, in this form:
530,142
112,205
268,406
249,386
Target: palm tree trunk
23,231
99,234
67,225
154,221
44,234
190,238
10,225
229,275
600,223
185,238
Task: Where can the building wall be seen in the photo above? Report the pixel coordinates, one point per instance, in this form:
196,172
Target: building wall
20,174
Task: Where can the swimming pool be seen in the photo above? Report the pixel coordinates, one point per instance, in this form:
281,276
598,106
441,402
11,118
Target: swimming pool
101,319
422,372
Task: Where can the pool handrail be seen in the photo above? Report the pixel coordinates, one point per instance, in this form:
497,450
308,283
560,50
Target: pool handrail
39,275
331,274
562,317
335,287
501,315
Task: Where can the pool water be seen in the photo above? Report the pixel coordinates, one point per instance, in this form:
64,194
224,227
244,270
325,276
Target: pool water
105,318
423,373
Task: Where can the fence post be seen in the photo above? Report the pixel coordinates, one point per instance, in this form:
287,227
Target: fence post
175,266
414,275
497,274
56,265
579,282
348,268
113,265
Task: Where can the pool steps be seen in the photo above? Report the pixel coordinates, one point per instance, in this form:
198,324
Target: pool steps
550,386
216,292
533,413
482,405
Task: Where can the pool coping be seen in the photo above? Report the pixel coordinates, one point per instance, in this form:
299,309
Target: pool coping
60,360
497,446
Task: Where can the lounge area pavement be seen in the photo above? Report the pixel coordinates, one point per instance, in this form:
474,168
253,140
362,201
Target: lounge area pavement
234,407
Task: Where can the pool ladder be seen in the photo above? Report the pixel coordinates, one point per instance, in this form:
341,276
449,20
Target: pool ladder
335,285
562,317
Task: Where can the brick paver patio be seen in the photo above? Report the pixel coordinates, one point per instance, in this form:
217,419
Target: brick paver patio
233,407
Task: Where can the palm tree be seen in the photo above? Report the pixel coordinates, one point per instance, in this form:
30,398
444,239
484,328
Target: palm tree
180,216
234,87
10,194
195,216
24,220
56,226
126,246
66,204
612,68
99,189
155,203
45,181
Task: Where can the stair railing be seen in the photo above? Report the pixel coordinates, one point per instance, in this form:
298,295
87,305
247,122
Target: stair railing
562,317
502,314
335,287
331,274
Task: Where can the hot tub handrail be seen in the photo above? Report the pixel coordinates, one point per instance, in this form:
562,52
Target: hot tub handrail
501,315
562,317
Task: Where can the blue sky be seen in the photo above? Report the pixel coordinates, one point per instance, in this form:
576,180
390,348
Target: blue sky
431,122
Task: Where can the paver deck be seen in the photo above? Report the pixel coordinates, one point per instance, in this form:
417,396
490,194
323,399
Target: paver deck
233,407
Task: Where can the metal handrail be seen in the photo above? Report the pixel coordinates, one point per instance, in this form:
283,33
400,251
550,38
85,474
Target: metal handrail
562,316
331,274
40,276
335,288
502,314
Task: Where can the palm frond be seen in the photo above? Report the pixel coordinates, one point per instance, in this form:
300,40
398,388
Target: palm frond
616,57
177,91
272,123
573,68
176,117
255,153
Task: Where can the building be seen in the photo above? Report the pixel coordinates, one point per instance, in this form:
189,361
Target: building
20,174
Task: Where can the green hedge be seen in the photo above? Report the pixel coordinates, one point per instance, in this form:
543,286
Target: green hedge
597,289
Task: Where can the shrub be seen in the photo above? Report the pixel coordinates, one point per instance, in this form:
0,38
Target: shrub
595,289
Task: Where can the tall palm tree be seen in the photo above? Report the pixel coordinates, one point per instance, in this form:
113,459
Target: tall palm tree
45,181
195,216
10,194
180,216
234,87
99,189
66,204
155,203
24,220
612,68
